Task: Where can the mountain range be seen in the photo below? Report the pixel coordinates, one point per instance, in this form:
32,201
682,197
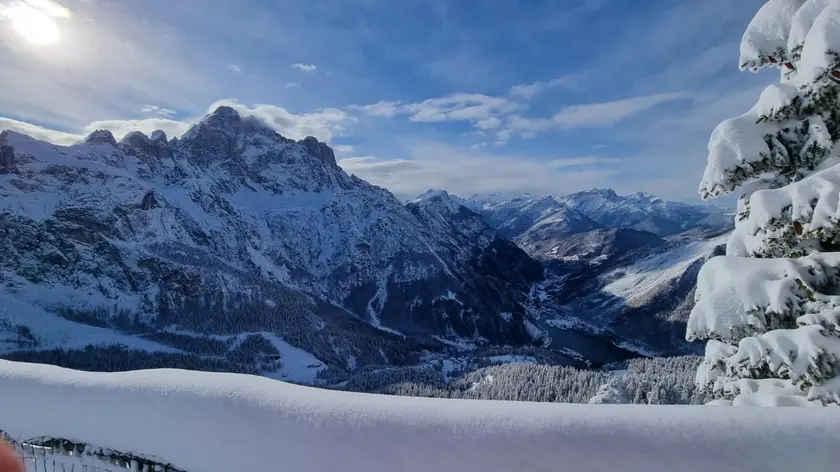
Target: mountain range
606,275
232,239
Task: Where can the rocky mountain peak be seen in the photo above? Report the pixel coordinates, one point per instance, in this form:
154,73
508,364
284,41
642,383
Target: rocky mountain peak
158,135
101,136
321,150
136,139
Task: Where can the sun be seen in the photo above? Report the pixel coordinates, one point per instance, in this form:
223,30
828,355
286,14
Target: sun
33,24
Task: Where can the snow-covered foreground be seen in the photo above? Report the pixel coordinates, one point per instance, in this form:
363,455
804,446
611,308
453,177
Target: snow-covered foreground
223,422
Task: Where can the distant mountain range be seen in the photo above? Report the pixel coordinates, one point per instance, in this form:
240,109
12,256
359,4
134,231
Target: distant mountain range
234,248
623,267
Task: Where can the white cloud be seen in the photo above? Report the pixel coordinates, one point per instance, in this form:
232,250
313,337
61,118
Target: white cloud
609,113
343,148
293,85
157,110
383,108
469,171
305,67
482,110
497,113
234,68
459,107
581,161
488,123
591,115
39,132
529,91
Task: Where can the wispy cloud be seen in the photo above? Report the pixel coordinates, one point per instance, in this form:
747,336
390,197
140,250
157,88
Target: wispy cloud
609,113
293,85
305,67
483,111
531,90
386,109
234,68
498,113
157,110
590,115
469,171
582,161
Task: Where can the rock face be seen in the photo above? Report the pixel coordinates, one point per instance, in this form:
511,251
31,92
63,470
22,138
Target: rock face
234,228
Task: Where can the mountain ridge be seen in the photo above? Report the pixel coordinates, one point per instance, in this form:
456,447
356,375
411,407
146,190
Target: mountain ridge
233,228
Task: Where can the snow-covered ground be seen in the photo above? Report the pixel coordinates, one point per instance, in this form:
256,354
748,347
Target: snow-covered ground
223,422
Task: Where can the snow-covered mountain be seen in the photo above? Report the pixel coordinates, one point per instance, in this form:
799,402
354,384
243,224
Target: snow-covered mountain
645,212
515,216
233,228
597,208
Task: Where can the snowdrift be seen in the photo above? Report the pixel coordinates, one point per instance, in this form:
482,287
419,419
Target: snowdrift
226,422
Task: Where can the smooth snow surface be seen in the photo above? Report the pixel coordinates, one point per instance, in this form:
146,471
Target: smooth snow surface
226,422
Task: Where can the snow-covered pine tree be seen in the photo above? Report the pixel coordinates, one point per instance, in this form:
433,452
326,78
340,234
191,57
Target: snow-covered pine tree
769,308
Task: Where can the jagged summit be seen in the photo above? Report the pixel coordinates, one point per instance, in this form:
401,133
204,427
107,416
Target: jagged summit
158,135
324,153
101,136
135,138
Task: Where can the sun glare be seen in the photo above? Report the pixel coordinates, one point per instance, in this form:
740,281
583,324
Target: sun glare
33,22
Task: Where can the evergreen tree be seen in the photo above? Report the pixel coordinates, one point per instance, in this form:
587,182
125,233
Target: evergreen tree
769,306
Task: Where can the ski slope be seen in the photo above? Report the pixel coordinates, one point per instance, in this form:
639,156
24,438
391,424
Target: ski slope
223,422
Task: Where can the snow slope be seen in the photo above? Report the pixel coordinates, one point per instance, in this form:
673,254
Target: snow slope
226,422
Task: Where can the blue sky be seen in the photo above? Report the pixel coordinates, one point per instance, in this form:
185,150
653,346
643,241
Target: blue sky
540,96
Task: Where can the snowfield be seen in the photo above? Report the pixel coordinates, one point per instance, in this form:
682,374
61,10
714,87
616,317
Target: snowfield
227,422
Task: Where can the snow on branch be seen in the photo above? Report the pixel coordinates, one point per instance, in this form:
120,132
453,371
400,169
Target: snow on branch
712,371
766,38
806,356
819,51
766,392
776,221
801,24
738,297
828,393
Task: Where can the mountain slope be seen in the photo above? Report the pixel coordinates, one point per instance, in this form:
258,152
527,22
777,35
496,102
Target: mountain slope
233,228
640,298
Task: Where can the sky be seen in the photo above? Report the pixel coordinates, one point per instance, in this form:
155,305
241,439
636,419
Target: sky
471,96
